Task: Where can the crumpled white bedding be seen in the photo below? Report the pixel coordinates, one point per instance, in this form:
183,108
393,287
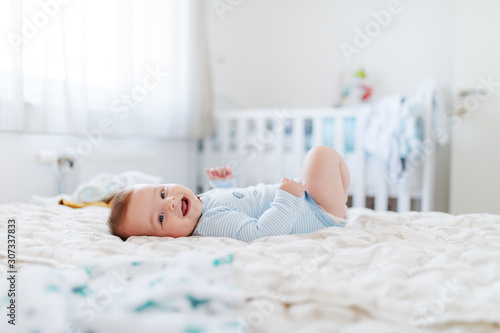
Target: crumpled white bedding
387,272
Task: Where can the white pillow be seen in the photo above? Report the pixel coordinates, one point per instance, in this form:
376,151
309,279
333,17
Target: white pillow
105,185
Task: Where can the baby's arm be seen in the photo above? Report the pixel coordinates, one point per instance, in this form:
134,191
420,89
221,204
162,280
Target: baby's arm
221,172
292,187
221,177
279,219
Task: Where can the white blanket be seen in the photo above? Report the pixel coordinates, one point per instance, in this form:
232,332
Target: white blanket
389,272
191,292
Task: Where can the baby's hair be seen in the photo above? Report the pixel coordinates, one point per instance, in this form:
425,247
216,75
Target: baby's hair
118,207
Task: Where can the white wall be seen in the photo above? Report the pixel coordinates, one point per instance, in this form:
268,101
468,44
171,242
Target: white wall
475,153
285,53
276,53
21,176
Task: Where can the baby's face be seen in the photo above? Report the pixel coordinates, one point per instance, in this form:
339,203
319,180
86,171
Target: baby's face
161,210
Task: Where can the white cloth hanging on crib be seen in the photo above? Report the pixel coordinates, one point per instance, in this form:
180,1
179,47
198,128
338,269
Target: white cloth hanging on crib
429,96
410,128
382,132
395,128
423,108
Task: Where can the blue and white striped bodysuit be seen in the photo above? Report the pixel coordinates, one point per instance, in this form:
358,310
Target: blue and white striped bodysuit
257,211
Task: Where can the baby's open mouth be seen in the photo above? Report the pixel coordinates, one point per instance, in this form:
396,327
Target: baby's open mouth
185,206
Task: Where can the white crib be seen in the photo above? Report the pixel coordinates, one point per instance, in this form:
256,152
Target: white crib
263,145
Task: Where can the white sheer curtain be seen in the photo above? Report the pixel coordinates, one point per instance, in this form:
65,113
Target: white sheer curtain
123,67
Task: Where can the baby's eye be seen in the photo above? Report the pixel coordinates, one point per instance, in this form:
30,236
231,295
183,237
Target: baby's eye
160,218
162,193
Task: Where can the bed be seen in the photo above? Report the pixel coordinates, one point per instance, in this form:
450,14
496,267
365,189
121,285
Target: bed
383,272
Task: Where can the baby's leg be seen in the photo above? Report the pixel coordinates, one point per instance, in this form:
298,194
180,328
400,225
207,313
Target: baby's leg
327,178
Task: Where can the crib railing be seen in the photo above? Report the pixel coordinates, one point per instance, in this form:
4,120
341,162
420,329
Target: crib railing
263,145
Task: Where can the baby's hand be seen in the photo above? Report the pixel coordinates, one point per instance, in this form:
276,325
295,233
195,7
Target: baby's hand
221,172
293,187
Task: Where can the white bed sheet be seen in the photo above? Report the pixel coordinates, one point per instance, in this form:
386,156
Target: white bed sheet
389,272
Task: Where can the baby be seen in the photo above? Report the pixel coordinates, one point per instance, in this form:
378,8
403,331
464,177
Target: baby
243,213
